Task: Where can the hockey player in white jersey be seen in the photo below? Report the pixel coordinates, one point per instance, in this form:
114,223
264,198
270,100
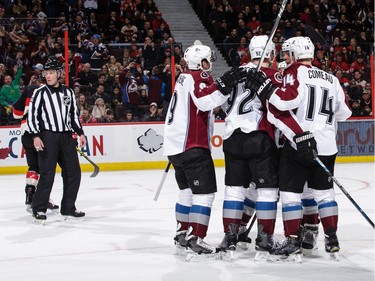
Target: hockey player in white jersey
187,135
318,102
251,156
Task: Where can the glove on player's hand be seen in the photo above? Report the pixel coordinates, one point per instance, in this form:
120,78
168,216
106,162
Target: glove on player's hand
230,79
306,146
257,82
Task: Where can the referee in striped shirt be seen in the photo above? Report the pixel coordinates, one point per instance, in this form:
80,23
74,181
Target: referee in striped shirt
53,118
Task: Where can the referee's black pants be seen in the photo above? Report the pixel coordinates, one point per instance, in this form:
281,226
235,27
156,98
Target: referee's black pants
58,148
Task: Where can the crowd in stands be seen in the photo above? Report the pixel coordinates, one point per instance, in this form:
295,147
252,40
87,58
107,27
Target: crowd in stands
346,25
119,55
120,51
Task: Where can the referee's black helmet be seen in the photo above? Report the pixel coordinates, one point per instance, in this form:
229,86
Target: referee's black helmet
52,63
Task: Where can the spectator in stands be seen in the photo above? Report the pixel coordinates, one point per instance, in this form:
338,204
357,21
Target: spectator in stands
96,52
358,65
100,93
78,27
253,24
102,80
112,34
155,85
358,79
317,15
158,21
289,31
366,102
152,114
99,110
144,101
86,117
40,53
242,28
150,53
216,17
82,103
344,81
343,23
114,67
321,61
355,106
128,117
368,23
87,76
135,53
109,117
129,31
339,64
289,14
222,32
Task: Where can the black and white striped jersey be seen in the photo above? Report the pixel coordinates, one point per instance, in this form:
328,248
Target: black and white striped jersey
53,109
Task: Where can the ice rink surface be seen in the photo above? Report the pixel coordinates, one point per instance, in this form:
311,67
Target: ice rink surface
127,236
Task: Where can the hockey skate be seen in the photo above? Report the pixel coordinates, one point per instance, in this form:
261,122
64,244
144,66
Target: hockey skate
332,245
198,250
288,251
51,207
228,246
30,191
74,216
243,238
263,244
309,236
180,243
39,217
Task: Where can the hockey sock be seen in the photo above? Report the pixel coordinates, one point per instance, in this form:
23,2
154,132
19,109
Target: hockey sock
310,212
248,211
199,218
266,215
328,212
232,213
182,217
292,217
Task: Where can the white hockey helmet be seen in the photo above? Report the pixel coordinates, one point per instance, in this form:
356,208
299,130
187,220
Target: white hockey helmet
257,45
301,47
196,53
287,45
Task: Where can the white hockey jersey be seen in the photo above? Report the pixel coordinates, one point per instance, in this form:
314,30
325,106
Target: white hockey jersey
189,121
318,101
244,109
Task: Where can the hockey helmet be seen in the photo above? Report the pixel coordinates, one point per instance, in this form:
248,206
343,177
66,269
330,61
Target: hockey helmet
300,47
195,54
52,63
257,45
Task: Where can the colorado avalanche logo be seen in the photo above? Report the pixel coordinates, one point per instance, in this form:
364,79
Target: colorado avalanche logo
66,100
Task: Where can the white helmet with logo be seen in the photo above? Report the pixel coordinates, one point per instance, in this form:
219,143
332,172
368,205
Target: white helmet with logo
196,53
257,45
300,47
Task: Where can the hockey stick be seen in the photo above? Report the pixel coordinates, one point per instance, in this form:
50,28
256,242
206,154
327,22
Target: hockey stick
344,191
96,168
162,181
273,31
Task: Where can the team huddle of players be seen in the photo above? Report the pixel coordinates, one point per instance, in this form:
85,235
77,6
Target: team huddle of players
276,126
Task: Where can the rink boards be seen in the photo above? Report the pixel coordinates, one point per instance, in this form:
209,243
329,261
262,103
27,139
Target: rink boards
134,146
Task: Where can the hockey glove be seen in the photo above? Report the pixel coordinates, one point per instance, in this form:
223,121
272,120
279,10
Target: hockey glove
257,82
306,146
230,79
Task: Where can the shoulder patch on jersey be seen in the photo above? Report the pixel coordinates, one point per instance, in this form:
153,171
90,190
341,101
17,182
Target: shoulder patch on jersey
204,75
278,77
